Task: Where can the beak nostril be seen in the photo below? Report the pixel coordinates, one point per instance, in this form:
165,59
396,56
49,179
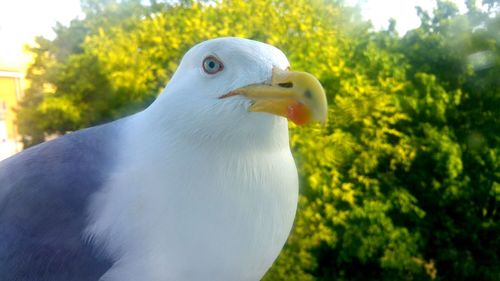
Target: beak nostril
286,85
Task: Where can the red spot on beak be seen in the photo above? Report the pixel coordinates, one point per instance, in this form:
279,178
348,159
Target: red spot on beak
298,113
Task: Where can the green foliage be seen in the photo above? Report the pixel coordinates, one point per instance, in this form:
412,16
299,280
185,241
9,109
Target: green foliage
455,120
403,181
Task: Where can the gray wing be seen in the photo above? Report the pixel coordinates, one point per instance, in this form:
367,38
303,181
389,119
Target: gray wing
44,194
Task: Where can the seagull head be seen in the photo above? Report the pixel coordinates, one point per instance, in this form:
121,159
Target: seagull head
239,86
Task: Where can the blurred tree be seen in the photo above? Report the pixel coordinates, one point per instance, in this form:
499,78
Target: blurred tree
37,113
69,89
455,120
402,183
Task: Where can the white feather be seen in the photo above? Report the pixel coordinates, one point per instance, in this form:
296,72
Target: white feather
205,190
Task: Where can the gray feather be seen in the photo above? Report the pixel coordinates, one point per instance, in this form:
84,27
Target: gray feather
44,196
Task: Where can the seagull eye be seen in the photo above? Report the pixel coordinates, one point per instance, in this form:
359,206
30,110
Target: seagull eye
212,65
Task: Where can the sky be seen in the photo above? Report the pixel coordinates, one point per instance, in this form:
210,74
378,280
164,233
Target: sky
403,11
22,20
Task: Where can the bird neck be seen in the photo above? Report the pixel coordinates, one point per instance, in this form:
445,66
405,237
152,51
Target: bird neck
165,127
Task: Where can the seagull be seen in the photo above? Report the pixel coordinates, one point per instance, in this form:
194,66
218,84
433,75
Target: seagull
201,185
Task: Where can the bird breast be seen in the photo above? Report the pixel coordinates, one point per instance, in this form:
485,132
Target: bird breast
191,213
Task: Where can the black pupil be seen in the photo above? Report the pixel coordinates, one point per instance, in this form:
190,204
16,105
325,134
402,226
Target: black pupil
211,64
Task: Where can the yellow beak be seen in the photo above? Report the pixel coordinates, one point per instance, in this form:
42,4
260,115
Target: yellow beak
297,96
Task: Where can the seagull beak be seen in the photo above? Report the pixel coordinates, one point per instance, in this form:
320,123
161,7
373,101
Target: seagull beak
297,96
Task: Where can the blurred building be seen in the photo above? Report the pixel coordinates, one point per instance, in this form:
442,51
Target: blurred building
11,91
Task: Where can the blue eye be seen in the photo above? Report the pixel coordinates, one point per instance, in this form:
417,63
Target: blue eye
212,65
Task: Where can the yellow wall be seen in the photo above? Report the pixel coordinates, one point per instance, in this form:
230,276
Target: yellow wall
10,88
